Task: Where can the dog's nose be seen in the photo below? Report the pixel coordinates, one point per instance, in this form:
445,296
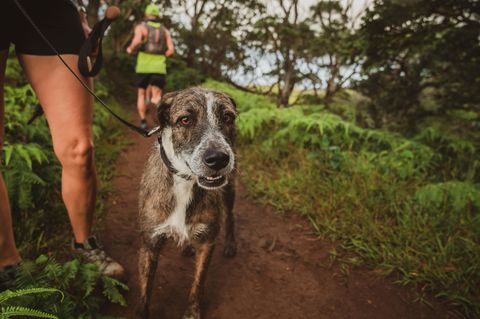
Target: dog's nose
215,159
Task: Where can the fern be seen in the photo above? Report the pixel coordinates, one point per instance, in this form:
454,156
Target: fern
13,311
8,294
112,292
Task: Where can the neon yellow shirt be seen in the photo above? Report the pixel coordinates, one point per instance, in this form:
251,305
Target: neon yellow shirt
151,63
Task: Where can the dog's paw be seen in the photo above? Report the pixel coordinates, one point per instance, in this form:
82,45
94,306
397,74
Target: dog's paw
188,251
230,249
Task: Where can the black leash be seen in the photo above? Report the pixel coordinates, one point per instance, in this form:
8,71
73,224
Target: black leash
89,45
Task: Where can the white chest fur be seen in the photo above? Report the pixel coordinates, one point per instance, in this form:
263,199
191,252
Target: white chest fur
175,225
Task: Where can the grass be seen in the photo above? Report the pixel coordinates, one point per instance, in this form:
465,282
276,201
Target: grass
407,207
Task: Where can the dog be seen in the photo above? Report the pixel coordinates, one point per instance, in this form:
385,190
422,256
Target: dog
188,186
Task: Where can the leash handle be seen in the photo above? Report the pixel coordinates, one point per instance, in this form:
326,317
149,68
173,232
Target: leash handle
94,41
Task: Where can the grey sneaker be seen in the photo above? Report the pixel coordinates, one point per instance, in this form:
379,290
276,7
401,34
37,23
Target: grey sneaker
8,278
91,252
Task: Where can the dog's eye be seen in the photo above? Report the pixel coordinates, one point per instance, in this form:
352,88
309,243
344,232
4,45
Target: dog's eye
185,120
228,118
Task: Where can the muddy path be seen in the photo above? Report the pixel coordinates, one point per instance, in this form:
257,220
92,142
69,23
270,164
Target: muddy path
279,271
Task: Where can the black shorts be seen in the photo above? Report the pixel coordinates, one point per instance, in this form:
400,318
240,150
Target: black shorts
57,19
146,79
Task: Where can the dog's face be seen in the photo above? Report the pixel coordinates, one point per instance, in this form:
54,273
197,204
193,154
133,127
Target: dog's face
198,132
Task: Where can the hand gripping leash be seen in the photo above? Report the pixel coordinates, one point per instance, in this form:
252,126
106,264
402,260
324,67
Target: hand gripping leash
94,39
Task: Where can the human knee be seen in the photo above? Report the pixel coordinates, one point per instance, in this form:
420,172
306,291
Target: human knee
156,96
77,153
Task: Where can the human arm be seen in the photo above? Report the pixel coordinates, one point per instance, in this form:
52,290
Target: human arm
82,12
170,47
137,39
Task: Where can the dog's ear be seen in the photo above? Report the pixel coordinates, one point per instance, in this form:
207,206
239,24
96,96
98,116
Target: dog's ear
163,110
229,98
233,102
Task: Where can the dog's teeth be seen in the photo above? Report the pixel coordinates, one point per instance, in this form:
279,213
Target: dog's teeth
213,178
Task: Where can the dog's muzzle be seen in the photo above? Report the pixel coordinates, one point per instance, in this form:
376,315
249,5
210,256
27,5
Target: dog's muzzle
216,161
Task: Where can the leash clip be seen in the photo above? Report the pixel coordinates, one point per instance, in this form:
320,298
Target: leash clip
153,131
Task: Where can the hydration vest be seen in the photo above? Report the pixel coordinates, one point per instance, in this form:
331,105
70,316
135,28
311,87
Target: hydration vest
156,42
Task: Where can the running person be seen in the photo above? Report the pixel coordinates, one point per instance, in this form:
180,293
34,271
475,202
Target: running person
155,43
69,111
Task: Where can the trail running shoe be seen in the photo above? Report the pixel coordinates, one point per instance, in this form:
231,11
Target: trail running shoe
91,252
8,276
143,124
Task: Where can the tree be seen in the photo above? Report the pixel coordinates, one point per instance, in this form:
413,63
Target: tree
212,40
132,11
284,36
336,46
417,49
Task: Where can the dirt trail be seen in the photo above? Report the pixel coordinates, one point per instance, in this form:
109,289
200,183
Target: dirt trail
277,273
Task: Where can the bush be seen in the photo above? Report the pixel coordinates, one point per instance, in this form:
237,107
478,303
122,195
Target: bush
180,76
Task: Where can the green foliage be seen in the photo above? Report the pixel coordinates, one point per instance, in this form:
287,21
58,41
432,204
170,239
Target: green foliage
180,76
418,47
12,311
405,205
79,282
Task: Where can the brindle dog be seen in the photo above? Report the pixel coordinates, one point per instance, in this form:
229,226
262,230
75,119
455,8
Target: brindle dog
188,186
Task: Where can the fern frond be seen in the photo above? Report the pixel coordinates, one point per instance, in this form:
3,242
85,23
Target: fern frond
15,311
9,294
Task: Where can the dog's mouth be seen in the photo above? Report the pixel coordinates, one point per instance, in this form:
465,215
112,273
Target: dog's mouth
210,182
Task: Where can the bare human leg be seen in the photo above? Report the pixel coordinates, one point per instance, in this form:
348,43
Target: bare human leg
141,106
69,111
156,95
8,251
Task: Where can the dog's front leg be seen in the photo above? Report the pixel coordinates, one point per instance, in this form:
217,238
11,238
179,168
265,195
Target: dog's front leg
147,264
203,255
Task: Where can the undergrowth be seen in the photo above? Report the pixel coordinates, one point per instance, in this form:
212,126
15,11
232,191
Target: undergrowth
409,207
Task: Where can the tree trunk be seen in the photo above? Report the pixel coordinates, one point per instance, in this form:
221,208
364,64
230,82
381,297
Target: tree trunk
286,90
92,12
331,85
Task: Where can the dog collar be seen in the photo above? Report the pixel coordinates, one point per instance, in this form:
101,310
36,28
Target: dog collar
169,164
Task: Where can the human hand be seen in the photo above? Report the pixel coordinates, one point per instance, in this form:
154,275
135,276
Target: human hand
87,30
83,20
129,50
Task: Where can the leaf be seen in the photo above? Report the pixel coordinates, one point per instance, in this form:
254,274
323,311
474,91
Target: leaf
8,294
15,311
